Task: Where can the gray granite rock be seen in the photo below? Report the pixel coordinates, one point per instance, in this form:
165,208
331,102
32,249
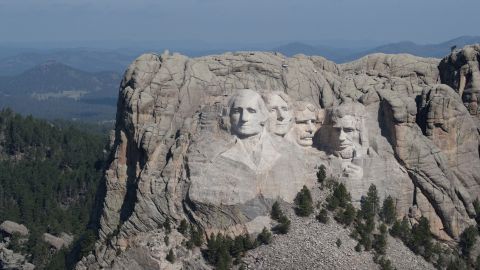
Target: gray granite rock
191,143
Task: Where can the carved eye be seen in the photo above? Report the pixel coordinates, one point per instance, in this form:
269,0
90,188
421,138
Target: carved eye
250,110
235,110
285,109
348,130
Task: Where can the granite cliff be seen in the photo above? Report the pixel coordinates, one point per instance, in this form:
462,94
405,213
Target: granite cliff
216,140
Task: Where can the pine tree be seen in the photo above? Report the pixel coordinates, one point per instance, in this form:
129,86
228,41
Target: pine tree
304,203
321,174
323,216
388,213
284,225
183,227
265,237
276,212
468,239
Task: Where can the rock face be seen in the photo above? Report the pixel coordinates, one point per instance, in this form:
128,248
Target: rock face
216,140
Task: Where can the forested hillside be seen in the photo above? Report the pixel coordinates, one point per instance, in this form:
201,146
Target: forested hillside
49,174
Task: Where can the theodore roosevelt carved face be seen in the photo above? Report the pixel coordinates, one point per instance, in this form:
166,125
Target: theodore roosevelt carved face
247,112
305,123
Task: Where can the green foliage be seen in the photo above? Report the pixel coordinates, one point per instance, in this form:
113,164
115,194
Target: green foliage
401,229
370,203
49,175
284,225
358,247
340,197
222,249
418,238
321,174
388,213
170,256
346,216
276,212
196,236
477,264
87,242
304,203
385,264
380,240
468,239
322,216
183,227
422,238
265,237
457,264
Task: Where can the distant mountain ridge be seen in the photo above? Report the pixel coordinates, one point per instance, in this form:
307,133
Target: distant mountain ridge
56,90
54,76
92,60
429,50
340,55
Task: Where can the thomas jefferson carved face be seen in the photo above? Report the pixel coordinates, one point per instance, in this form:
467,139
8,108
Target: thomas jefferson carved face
305,125
247,113
280,114
347,136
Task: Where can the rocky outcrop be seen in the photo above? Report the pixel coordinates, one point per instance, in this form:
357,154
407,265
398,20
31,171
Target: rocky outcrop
11,228
58,242
460,70
191,143
11,260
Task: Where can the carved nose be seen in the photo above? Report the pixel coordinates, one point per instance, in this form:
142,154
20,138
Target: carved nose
245,116
310,127
342,136
280,115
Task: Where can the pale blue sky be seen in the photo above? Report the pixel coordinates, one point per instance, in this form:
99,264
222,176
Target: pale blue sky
247,21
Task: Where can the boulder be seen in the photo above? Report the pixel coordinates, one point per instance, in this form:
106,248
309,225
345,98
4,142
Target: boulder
11,228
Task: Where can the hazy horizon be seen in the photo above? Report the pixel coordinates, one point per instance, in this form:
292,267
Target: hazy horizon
213,22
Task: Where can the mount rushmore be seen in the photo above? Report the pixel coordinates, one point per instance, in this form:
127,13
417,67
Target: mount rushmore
216,140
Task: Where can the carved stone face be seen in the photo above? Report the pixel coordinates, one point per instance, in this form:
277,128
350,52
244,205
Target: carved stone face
246,116
347,136
280,115
305,127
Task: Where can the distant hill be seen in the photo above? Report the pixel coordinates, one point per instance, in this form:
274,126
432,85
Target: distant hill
92,60
56,90
341,55
429,50
57,77
333,54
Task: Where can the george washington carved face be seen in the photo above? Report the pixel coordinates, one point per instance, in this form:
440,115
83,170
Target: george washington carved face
247,113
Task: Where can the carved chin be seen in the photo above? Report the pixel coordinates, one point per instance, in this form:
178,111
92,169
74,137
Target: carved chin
305,141
281,129
248,130
345,153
